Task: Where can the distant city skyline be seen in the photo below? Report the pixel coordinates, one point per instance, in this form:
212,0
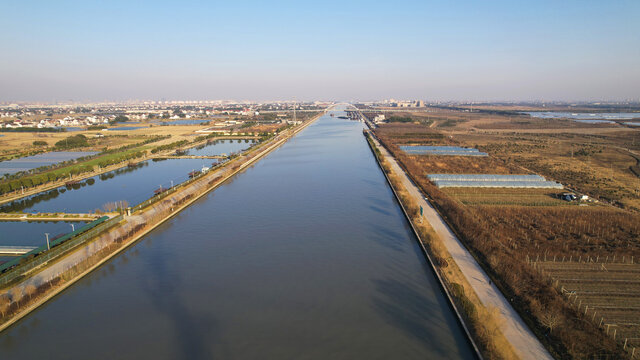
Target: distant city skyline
248,50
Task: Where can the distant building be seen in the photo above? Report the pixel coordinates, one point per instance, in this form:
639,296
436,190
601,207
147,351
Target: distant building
380,118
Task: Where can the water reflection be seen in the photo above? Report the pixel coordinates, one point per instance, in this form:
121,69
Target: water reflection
292,259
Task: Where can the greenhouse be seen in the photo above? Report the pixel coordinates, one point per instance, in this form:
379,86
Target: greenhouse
441,150
492,180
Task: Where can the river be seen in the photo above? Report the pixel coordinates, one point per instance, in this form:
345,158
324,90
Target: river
304,255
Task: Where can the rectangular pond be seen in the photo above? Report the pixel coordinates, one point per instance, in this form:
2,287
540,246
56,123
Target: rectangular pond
130,184
45,159
221,147
582,115
594,121
32,233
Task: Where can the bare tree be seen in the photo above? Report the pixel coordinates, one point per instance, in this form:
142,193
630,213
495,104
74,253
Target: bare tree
109,207
29,290
5,303
551,319
16,294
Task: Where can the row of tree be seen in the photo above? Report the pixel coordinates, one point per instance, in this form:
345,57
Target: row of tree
39,179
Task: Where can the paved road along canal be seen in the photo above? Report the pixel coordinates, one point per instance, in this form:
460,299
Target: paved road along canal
305,255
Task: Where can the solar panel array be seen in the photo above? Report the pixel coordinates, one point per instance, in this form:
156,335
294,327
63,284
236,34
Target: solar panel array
494,181
441,150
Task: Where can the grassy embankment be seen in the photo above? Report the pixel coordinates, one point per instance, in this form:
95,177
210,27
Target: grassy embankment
483,323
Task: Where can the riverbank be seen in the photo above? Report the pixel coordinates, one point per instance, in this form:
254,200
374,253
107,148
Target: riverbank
135,227
522,340
19,194
436,271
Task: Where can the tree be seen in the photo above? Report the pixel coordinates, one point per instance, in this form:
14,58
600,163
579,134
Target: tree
40,143
119,118
16,294
29,290
551,319
73,142
5,303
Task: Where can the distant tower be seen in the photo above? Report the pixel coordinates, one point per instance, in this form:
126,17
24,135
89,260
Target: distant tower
294,111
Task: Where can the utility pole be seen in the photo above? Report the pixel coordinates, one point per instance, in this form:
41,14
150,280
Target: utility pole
47,235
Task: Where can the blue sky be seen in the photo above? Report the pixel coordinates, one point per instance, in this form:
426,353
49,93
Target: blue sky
334,50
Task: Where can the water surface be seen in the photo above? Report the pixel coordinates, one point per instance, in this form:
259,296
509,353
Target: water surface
582,115
32,233
305,255
131,184
45,159
219,147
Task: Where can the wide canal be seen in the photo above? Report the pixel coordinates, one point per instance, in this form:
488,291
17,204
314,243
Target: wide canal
305,255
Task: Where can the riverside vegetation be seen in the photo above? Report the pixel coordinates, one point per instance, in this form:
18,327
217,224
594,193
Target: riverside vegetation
505,237
484,323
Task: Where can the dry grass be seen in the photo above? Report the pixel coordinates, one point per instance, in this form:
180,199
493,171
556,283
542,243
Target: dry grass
505,196
485,323
501,236
463,165
606,292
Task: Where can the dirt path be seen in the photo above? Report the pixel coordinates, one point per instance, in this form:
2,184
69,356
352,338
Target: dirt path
515,330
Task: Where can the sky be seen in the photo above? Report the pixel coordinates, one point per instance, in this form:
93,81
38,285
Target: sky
322,50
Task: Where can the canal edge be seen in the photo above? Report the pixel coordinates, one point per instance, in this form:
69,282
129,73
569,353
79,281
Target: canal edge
429,260
134,240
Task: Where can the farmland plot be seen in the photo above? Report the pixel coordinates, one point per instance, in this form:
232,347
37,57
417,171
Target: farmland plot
607,293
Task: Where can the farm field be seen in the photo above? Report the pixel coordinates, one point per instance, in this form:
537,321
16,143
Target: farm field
507,228
506,196
606,291
602,165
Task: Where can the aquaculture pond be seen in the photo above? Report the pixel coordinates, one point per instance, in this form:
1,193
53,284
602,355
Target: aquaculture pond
132,184
220,147
45,159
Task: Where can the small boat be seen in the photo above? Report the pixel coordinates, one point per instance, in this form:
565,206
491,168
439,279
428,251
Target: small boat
159,190
194,173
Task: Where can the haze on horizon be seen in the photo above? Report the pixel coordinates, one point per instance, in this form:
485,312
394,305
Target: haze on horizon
357,50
